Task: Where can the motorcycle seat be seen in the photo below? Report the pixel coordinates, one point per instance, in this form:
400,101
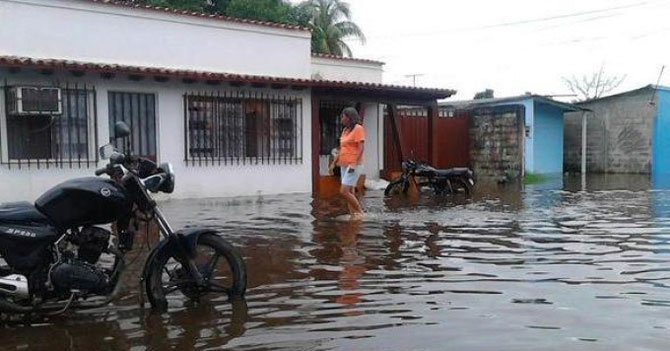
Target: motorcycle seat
21,213
451,172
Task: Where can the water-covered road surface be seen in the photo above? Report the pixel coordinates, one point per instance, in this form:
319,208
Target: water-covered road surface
546,268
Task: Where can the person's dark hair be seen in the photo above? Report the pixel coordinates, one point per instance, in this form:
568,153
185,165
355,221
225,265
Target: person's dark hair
354,117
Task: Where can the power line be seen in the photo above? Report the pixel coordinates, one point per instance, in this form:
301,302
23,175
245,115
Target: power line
529,21
569,15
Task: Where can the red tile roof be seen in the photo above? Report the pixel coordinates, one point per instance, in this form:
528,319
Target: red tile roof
330,85
131,5
336,57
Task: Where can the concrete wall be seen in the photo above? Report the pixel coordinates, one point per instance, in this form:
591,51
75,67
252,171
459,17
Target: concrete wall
85,31
529,122
372,141
346,70
619,134
28,183
496,141
547,140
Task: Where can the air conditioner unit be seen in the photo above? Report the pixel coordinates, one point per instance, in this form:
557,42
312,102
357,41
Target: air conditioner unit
35,101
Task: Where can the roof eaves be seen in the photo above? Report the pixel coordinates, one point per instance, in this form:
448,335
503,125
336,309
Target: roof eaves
509,100
15,61
564,105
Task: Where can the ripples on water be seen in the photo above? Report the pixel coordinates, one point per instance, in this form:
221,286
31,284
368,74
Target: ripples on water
506,270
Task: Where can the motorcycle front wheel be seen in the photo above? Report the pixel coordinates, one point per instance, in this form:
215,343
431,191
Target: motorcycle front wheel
220,264
397,186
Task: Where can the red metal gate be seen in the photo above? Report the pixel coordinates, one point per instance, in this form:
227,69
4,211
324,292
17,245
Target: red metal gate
452,140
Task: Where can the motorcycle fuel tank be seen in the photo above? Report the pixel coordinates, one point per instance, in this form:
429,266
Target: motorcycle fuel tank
85,201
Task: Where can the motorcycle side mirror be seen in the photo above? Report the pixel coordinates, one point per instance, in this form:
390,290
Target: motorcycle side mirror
106,151
121,130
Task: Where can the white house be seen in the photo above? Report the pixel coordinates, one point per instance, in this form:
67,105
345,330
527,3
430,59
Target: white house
239,107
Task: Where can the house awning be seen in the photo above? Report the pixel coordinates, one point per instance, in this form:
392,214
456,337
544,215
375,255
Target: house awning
257,81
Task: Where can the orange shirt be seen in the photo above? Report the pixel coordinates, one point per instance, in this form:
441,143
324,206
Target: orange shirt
349,144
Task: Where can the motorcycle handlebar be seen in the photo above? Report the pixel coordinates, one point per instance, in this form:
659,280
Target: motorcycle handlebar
101,171
115,159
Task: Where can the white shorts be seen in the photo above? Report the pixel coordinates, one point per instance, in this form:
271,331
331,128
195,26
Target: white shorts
351,178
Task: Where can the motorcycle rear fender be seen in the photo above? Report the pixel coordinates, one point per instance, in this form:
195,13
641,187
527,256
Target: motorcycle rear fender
187,237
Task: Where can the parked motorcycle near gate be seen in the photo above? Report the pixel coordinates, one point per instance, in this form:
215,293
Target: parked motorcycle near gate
441,181
52,249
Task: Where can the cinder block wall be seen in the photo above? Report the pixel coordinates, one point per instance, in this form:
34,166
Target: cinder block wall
619,135
496,141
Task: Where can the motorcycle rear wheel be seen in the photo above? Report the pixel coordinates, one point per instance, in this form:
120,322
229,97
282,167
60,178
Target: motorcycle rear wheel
219,262
462,184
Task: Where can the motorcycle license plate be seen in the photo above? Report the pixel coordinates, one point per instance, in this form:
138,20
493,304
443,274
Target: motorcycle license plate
472,182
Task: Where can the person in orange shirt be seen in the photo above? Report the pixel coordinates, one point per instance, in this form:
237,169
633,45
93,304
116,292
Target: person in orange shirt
350,158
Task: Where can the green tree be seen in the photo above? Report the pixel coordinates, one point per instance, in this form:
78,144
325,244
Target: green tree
263,10
331,24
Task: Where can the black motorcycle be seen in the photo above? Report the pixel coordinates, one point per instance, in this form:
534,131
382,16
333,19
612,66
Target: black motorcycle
58,256
441,181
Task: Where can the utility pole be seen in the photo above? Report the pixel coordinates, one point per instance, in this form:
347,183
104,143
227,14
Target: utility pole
413,76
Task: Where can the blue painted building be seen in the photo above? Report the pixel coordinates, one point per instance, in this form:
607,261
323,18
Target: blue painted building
661,140
543,122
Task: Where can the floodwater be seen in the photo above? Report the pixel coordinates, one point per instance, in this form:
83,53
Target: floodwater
548,267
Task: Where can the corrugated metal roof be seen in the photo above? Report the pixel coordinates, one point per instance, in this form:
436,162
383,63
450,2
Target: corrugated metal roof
465,104
629,92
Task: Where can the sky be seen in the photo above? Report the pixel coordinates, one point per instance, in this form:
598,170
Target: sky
514,46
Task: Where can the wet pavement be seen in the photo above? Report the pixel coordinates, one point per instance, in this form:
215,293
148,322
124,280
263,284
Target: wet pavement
548,267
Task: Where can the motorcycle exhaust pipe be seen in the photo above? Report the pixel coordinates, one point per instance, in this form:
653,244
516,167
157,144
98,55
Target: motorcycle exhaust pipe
15,285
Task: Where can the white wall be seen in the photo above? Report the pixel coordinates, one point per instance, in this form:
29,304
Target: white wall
371,122
346,70
85,31
192,181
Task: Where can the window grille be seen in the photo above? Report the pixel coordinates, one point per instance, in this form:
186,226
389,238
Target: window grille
68,138
138,110
224,128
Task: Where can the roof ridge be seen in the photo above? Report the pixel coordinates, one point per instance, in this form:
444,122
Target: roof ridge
344,58
132,5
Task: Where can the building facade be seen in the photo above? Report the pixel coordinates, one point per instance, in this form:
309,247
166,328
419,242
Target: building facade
626,133
540,126
228,102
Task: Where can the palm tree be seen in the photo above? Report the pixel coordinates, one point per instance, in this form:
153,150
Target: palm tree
331,25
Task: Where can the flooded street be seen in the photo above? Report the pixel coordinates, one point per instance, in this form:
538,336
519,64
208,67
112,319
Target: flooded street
549,267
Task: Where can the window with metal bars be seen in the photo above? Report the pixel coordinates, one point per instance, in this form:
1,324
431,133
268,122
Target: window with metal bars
239,128
64,136
138,110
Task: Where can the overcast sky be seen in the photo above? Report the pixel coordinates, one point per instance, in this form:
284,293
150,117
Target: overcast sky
514,46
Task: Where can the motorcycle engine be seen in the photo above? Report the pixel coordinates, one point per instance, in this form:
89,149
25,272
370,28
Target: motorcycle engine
91,242
78,275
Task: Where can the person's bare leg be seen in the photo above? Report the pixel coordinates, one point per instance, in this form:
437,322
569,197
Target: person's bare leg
357,207
352,203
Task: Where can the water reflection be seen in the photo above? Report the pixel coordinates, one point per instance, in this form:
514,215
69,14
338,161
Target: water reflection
514,267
